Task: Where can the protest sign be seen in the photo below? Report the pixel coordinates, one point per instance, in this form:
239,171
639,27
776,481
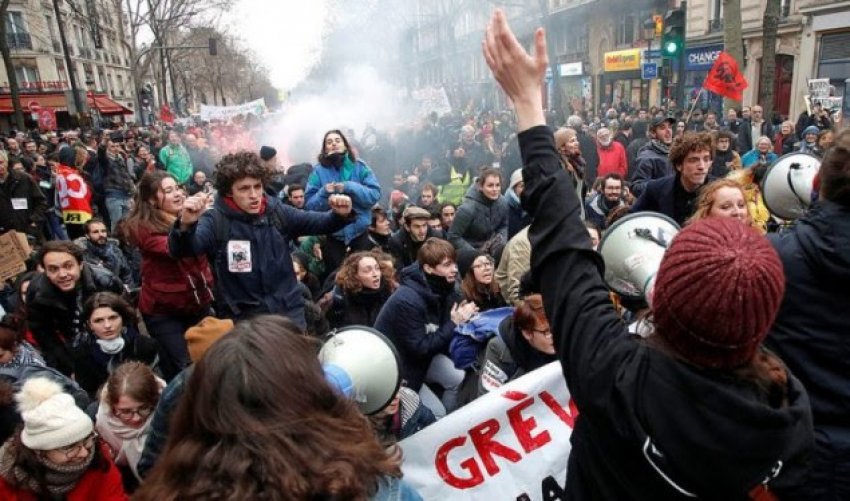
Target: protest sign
14,251
512,443
256,107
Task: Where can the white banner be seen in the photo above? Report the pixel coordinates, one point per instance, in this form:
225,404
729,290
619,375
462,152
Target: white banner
432,99
510,444
819,87
256,107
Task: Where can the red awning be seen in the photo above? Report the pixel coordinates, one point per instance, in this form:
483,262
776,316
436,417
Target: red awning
56,100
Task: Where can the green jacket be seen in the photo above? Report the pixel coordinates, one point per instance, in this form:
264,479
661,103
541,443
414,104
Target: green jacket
177,162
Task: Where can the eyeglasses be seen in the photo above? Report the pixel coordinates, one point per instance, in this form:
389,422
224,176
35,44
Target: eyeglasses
486,264
142,412
69,451
547,333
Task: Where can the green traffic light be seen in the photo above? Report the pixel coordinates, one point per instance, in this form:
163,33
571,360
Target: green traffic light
671,47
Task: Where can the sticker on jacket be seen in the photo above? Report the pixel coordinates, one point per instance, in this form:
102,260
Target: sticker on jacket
20,204
492,377
239,256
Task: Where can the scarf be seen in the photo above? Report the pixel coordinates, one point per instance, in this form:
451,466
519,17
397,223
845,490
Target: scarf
59,479
126,442
661,147
341,162
439,285
228,201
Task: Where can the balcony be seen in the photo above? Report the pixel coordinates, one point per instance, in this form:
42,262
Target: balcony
715,26
19,40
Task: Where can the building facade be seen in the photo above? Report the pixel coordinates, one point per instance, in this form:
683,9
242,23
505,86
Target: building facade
99,57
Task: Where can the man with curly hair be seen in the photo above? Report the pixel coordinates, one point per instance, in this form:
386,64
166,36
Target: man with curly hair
247,235
675,195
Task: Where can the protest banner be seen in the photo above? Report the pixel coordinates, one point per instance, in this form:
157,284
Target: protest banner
512,443
432,99
14,251
256,107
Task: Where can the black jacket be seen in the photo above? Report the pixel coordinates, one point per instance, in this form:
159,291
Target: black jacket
53,316
651,163
746,141
356,308
92,366
478,219
811,330
418,322
21,191
667,196
403,249
641,411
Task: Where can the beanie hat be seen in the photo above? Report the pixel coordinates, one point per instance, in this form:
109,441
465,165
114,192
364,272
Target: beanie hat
717,292
267,152
811,129
201,336
465,258
516,178
51,418
397,197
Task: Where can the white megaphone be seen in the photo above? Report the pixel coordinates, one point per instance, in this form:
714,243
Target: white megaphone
363,365
632,249
788,183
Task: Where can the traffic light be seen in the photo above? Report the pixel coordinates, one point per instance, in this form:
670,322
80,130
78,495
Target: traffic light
673,40
213,46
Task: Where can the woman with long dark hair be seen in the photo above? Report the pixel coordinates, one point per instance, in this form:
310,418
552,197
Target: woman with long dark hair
175,293
258,420
478,284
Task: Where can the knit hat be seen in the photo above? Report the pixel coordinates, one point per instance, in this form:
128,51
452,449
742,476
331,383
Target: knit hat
465,258
516,178
201,336
51,418
717,292
811,129
267,152
397,197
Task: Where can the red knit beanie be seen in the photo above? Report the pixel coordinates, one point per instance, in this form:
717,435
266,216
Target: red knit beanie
717,292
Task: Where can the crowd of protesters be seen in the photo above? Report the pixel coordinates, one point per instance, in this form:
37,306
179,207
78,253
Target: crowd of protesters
143,349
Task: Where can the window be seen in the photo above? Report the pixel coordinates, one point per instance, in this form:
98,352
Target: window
16,32
625,30
120,86
89,74
60,70
26,70
101,78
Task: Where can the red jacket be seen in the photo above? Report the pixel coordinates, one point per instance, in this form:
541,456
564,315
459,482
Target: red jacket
612,160
172,286
95,485
73,195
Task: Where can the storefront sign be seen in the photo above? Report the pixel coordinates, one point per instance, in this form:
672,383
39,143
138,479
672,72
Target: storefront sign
622,60
701,58
39,85
571,69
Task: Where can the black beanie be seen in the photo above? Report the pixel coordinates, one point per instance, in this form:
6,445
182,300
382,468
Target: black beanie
465,259
267,152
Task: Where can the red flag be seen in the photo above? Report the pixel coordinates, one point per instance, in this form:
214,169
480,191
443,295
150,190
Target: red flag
165,114
725,78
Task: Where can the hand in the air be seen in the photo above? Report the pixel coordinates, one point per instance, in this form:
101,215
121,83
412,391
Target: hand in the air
340,204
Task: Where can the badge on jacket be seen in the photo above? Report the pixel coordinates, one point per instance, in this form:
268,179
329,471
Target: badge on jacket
239,256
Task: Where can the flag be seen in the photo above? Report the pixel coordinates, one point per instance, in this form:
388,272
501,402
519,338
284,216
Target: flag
166,115
725,78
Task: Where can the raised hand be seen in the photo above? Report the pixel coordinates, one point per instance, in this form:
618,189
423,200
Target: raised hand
519,74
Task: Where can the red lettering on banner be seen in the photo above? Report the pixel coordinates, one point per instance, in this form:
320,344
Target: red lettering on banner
482,439
514,395
569,418
523,428
468,464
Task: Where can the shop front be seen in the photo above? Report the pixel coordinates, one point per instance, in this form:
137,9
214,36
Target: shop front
576,87
621,81
698,62
100,105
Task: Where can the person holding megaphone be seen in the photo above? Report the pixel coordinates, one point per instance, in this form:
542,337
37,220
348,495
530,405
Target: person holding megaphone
698,409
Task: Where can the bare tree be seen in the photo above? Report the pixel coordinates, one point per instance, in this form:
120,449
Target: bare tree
10,68
733,38
768,57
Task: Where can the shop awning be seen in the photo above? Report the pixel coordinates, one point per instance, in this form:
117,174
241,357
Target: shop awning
57,100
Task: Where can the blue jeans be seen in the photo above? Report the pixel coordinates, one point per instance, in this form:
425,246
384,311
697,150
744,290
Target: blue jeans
54,224
117,206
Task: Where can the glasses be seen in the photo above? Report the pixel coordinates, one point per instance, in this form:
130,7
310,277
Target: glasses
547,333
486,264
70,451
142,412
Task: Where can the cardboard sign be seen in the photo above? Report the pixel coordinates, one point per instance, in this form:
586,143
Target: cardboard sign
512,443
14,251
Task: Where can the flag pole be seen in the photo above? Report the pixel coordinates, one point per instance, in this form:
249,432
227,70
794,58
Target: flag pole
696,100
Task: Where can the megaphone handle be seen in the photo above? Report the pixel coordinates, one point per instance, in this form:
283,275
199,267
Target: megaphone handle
793,189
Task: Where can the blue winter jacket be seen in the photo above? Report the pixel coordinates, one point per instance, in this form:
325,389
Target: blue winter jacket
262,280
418,322
360,184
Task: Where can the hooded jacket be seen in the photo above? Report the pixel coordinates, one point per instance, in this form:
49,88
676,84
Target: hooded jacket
418,322
261,280
508,357
478,219
650,426
810,332
51,313
360,184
